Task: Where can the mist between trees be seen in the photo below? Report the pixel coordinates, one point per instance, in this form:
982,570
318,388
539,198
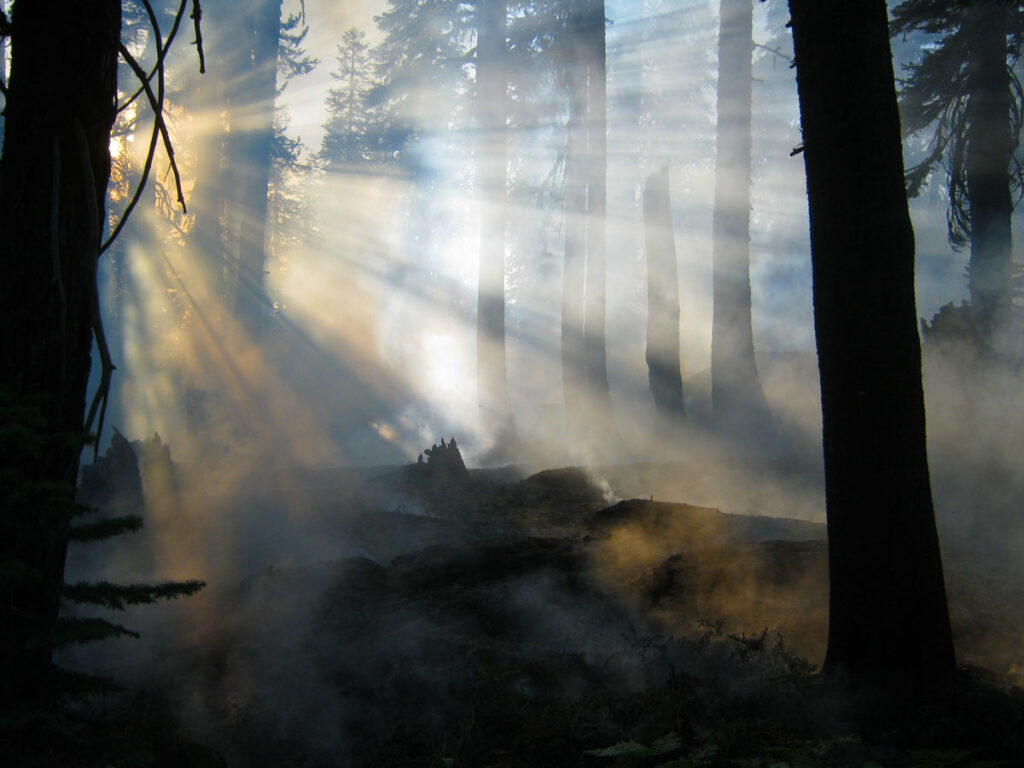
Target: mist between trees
574,236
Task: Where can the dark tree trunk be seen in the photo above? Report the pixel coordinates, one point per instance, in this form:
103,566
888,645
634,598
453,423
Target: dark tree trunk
662,301
737,399
53,180
888,620
989,151
492,86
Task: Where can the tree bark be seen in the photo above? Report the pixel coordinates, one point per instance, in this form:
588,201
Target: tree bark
584,357
888,621
989,151
574,272
737,399
662,353
492,86
595,354
53,180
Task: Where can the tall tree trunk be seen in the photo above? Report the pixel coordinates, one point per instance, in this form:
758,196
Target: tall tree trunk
888,620
574,273
595,357
584,360
492,86
989,151
662,301
53,181
737,399
251,114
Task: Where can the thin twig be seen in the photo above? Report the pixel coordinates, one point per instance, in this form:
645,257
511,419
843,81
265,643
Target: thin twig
161,55
150,153
158,109
777,51
197,15
102,396
158,116
147,166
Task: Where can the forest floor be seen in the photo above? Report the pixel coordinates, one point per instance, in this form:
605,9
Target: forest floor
501,618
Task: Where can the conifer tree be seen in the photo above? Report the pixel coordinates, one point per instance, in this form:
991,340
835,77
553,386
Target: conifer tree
964,91
346,132
889,629
737,399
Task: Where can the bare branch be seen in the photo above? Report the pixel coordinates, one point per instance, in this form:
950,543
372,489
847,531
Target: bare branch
197,15
92,213
158,115
161,53
147,166
777,51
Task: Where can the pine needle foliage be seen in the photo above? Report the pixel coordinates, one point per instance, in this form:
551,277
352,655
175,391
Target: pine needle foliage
935,96
29,510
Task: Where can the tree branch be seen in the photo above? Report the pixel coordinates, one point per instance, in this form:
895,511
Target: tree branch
157,103
162,50
92,213
197,15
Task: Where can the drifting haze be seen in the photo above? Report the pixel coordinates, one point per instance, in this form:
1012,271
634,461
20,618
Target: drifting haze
364,351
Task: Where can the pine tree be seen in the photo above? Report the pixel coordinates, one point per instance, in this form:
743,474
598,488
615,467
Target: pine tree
889,627
346,139
737,399
964,91
420,73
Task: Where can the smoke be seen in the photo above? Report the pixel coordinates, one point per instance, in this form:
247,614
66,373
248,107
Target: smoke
274,463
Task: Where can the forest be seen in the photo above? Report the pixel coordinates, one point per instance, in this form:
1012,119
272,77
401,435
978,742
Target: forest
467,383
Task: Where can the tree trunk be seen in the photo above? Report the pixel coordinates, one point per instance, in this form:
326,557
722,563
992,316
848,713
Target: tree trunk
888,621
574,273
251,115
595,356
492,85
584,359
662,302
989,151
53,181
737,399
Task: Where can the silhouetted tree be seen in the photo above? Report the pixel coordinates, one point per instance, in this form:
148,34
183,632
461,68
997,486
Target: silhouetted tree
736,395
346,133
420,72
54,172
963,87
662,301
53,182
888,620
252,62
